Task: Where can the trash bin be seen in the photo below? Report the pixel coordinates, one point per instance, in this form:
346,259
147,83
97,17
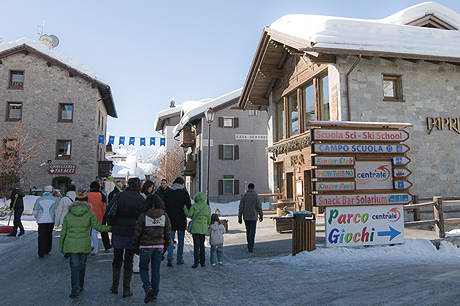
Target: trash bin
303,231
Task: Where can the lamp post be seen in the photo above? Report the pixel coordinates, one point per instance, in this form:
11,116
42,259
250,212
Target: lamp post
209,113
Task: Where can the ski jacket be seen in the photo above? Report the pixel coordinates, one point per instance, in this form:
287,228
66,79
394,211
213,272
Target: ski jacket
216,233
45,208
152,228
129,207
97,201
63,207
201,223
19,201
75,234
250,206
175,198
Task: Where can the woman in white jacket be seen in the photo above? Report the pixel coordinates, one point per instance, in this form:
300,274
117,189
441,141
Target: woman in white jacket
64,205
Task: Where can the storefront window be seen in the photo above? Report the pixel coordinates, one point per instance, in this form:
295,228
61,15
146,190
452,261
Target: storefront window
324,95
293,115
309,96
279,121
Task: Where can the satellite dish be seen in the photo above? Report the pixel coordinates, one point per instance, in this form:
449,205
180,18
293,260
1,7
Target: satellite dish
55,41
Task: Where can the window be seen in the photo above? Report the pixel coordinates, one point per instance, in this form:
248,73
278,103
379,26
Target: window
228,152
392,88
309,96
16,80
65,112
252,112
228,122
293,117
14,111
279,121
228,186
324,98
63,149
10,148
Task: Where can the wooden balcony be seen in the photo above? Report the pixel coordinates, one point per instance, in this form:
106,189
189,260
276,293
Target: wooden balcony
187,138
188,168
104,168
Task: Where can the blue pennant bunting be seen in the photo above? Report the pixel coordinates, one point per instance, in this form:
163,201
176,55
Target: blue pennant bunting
101,139
122,140
132,140
111,139
162,142
142,141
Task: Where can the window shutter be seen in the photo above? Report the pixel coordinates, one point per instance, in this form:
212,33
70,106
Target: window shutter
236,187
236,152
221,151
221,187
221,121
236,122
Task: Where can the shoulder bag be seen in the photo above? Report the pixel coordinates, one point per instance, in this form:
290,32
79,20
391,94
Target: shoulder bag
190,223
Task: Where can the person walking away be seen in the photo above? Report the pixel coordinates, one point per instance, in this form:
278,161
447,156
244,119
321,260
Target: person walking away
250,207
44,212
129,206
64,205
97,200
216,239
200,212
162,189
75,240
151,238
147,189
175,198
17,208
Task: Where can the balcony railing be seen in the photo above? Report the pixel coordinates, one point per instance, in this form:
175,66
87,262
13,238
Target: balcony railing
188,168
104,168
187,138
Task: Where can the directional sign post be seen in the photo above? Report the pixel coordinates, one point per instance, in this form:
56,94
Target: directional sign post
364,225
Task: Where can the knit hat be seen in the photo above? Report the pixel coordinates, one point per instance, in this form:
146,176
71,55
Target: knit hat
94,185
11,188
81,197
48,188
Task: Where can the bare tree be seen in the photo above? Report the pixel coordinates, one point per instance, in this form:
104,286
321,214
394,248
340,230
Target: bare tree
16,150
169,163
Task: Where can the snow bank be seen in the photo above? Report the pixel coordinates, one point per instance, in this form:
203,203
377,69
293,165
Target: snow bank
29,201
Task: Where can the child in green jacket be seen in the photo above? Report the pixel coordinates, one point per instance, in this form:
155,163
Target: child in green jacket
202,214
76,240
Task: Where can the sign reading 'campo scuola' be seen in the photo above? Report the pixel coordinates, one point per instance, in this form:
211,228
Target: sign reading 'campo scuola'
359,175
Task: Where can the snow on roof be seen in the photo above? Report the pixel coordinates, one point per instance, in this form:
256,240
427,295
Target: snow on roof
384,35
51,53
198,108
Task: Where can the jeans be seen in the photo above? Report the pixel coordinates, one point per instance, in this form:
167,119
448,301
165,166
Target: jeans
152,256
17,222
198,248
219,249
126,261
94,241
77,271
45,238
180,245
250,233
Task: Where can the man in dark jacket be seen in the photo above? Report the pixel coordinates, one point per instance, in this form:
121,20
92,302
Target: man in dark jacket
129,207
175,198
162,189
17,208
250,207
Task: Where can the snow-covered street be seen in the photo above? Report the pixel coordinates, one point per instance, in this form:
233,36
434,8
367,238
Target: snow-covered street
414,273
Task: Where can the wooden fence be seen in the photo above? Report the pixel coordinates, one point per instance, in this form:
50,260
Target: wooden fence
439,221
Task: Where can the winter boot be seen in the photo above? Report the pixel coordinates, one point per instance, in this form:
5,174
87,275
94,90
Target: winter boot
127,282
116,279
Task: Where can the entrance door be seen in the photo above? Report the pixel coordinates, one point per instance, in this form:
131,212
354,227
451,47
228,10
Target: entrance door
307,200
290,185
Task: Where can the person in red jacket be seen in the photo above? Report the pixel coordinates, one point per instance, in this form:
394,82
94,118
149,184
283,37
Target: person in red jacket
98,206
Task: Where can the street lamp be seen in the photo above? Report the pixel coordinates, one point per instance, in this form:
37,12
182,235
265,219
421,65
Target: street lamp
209,114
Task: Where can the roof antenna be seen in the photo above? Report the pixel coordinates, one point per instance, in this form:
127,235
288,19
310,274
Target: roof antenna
40,28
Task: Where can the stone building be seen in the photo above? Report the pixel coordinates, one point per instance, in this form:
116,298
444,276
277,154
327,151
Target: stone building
237,148
403,68
58,100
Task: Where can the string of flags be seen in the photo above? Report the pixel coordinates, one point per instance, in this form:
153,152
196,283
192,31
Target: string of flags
131,140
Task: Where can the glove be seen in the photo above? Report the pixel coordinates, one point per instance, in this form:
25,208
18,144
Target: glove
164,252
261,219
240,220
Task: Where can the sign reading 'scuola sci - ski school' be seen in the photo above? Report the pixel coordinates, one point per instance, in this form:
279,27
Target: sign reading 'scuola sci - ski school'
359,174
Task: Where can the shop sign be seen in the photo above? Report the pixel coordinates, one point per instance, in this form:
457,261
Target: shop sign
228,176
364,225
402,184
360,135
250,137
400,173
62,169
442,123
334,173
334,186
327,161
373,175
362,199
345,148
400,160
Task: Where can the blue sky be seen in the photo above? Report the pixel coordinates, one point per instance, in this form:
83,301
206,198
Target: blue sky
152,51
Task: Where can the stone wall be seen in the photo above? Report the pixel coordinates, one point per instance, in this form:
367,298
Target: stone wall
44,88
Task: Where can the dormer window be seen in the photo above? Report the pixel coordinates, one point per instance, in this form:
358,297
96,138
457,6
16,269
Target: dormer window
16,80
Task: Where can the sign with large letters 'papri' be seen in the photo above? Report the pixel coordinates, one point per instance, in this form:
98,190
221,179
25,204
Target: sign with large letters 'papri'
364,225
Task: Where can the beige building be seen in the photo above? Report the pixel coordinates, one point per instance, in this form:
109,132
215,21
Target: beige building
403,68
58,100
